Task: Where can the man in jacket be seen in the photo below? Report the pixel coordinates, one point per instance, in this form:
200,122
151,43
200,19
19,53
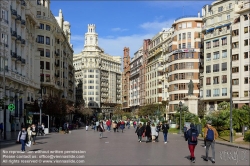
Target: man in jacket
165,128
210,134
192,137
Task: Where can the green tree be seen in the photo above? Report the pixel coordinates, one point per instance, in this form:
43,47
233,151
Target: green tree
148,110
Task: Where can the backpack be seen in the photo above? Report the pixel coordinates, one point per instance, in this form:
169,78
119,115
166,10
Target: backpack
210,135
193,137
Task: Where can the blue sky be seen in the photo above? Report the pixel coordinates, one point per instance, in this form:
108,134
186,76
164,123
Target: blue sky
122,24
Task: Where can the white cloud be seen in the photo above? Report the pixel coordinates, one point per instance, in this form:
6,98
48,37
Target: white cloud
118,29
156,26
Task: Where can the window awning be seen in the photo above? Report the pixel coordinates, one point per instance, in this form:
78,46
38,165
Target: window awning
227,24
215,39
208,41
219,27
209,30
223,38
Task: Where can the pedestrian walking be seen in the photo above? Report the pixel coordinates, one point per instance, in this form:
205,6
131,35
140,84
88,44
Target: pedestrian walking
118,126
29,132
165,128
211,134
158,129
108,123
97,125
1,129
122,126
128,124
148,133
34,130
22,138
101,129
139,130
66,128
114,126
134,124
42,127
192,137
87,125
153,132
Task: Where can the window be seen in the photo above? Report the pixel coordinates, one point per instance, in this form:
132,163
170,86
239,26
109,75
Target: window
220,9
208,69
41,26
216,68
47,66
245,55
235,57
236,45
189,75
198,25
90,87
91,76
235,69
41,50
38,2
246,80
189,45
208,93
183,25
236,32
179,36
224,53
5,15
42,77
183,45
245,17
38,13
189,65
189,55
41,64
189,35
208,45
182,86
208,58
48,40
217,55
224,41
245,93
40,39
224,66
235,81
224,91
47,27
246,42
189,25
219,18
183,35
235,94
216,43
47,53
246,68
216,92
208,81
47,78
228,16
181,76
230,5
224,79
216,80
179,46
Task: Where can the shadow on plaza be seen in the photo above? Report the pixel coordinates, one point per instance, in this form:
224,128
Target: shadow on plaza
10,143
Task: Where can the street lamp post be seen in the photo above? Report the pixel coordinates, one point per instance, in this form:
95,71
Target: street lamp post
180,105
40,102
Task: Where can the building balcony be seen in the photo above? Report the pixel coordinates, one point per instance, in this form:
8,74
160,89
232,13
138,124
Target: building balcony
19,58
23,42
23,61
13,55
57,64
23,3
18,38
57,75
71,82
23,22
18,17
13,34
13,12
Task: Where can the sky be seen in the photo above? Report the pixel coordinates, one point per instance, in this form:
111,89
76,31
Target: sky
122,23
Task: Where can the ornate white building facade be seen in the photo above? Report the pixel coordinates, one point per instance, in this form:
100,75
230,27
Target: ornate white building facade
98,74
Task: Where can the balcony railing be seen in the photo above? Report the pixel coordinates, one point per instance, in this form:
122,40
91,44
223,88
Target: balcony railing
23,3
13,12
23,61
23,22
22,41
13,33
19,58
18,18
13,55
19,37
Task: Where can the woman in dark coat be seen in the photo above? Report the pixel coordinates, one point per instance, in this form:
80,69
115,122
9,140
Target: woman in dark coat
139,130
148,132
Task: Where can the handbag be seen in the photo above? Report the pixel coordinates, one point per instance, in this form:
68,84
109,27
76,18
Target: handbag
143,134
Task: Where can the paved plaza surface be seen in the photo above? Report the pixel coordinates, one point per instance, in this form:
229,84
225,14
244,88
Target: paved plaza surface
86,148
